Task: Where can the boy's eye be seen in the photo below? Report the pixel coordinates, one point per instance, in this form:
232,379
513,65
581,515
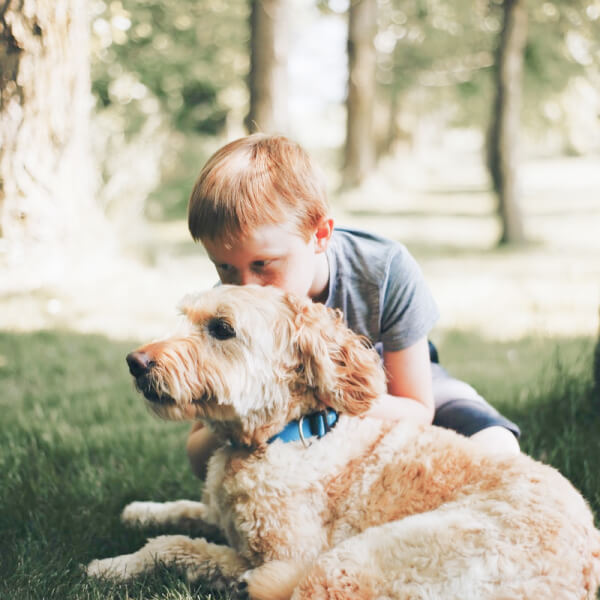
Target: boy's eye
220,329
224,267
261,264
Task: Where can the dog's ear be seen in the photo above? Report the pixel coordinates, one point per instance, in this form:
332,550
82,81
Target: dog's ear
342,367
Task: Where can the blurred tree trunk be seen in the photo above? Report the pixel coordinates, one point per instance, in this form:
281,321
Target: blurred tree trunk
596,369
46,170
360,139
597,372
386,131
268,67
503,139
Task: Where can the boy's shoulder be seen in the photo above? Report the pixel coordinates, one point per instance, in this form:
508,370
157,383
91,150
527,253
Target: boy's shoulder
364,252
363,241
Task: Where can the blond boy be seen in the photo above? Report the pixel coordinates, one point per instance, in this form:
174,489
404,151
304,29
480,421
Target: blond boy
260,210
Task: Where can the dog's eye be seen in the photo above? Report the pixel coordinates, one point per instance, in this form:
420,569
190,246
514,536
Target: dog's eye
220,329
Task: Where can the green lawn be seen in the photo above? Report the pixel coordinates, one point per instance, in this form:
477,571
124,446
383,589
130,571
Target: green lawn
77,444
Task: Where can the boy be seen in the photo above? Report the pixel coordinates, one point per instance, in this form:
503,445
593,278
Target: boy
259,208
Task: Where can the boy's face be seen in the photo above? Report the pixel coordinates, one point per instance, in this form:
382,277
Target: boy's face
275,255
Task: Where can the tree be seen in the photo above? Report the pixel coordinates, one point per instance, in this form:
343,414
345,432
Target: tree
267,80
438,57
596,369
503,140
46,174
360,103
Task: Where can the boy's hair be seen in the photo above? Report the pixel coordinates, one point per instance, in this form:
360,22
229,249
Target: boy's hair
253,181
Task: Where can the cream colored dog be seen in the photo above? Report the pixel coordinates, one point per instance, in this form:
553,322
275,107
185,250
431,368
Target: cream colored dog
372,509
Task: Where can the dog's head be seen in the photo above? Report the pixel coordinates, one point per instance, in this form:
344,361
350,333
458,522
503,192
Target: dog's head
251,359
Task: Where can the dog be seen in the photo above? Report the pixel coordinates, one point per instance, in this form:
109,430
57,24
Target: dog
317,501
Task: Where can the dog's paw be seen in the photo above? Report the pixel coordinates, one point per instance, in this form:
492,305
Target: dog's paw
142,514
234,589
117,568
238,590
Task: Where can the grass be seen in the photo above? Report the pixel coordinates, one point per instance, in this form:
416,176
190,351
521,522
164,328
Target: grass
77,444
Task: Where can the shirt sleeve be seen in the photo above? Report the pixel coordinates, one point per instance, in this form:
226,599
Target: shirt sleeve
408,310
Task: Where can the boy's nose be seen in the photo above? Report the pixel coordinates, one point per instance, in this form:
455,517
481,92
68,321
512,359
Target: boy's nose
248,277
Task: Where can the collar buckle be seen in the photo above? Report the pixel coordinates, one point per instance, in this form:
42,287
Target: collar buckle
305,443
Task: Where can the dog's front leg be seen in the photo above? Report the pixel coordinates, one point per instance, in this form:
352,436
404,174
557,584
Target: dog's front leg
180,512
219,566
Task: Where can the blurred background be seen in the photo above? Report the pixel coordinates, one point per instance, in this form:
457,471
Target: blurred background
469,130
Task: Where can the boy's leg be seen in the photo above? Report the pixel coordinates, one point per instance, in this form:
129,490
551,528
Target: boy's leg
458,406
201,444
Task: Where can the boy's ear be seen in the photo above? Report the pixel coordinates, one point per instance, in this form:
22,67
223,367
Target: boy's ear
323,234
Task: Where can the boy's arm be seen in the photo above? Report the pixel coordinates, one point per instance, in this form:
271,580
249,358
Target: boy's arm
201,445
410,395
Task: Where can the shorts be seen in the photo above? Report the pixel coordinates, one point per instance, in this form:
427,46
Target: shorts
459,407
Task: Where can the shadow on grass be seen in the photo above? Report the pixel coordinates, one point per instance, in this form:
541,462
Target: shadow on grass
77,444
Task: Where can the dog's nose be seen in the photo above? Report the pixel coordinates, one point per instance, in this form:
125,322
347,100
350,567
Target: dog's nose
139,363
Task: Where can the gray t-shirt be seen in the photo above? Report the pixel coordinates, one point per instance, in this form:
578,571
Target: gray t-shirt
380,289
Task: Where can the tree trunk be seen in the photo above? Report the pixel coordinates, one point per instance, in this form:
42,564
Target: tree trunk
386,130
503,140
268,67
46,174
596,369
360,142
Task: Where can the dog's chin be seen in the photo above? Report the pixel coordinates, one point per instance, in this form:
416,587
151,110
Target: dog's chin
169,412
167,407
159,399
145,386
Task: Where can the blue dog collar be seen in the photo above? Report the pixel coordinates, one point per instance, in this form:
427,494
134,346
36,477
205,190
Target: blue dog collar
315,424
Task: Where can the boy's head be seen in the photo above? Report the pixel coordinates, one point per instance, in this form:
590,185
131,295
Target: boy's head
259,208
256,180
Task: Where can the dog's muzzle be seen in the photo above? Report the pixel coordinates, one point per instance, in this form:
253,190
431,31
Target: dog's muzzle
139,363
140,366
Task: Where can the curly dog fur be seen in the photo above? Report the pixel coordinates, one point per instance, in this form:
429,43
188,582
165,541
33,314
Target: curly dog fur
373,509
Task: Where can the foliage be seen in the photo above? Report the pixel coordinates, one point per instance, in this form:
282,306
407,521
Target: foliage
186,58
164,73
446,50
165,66
562,49
77,444
169,200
